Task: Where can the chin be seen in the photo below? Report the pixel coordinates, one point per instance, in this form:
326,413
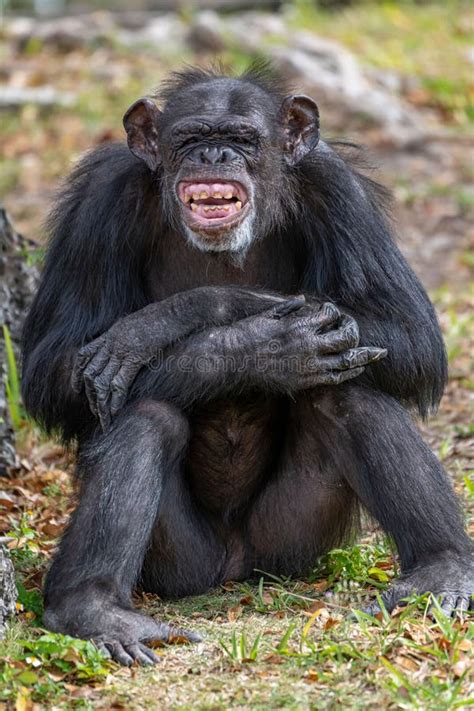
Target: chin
236,240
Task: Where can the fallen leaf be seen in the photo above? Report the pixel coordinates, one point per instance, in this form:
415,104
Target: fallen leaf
247,600
233,613
330,622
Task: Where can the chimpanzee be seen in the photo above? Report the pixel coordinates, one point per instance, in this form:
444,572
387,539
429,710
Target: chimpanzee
229,332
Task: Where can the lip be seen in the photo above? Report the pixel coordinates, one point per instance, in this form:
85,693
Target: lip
205,202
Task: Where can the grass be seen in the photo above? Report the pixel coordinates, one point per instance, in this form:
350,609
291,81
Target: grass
274,643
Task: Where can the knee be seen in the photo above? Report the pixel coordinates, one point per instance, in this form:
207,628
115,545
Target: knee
351,402
162,417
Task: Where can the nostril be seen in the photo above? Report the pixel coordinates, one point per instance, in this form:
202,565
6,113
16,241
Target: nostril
212,155
203,155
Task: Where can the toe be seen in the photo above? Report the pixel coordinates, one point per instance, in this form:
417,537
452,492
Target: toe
149,653
141,654
101,646
178,633
118,653
372,609
446,605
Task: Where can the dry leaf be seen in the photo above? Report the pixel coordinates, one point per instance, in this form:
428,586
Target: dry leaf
233,613
407,663
247,600
330,622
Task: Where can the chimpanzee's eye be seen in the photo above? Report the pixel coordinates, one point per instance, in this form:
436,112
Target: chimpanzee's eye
244,141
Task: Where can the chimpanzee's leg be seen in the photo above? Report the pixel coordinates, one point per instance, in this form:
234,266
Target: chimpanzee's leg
122,474
365,439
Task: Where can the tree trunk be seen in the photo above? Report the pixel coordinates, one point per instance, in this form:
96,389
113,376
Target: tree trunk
8,593
17,285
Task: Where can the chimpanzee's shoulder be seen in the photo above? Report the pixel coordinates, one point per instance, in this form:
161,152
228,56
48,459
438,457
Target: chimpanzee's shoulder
115,157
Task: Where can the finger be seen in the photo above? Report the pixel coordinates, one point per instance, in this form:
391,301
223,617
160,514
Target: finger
119,388
118,653
94,369
344,337
286,307
89,350
136,651
327,316
353,358
335,377
102,391
80,364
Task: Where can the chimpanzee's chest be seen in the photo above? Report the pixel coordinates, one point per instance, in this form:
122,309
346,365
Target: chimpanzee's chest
233,449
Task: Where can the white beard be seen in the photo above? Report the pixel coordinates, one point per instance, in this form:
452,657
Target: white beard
237,240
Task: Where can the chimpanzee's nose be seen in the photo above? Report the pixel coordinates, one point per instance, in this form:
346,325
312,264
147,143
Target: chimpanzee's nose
212,155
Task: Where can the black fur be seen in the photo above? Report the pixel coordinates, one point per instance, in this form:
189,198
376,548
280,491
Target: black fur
210,474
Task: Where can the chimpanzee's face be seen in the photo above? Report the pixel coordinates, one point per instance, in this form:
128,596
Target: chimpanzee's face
224,148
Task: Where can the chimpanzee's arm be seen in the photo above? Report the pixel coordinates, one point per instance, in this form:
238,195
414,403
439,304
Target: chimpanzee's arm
354,261
290,347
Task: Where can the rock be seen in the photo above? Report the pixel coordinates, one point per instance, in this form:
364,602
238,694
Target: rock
250,30
164,33
207,33
12,97
64,33
8,591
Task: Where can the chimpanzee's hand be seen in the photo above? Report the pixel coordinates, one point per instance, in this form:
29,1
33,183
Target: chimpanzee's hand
107,366
316,345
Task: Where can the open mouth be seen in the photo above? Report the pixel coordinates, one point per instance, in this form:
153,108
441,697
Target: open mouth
213,203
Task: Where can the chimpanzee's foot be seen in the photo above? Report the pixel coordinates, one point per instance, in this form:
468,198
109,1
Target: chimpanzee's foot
450,577
119,631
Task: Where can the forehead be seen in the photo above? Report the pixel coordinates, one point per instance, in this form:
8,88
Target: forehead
220,97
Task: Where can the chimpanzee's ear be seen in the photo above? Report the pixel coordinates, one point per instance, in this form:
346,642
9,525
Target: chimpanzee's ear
141,125
300,118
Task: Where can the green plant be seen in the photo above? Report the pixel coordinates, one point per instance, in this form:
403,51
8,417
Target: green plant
240,649
38,667
15,407
24,547
360,564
